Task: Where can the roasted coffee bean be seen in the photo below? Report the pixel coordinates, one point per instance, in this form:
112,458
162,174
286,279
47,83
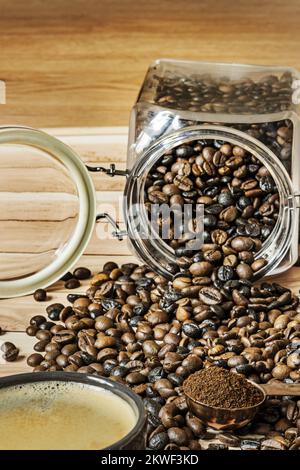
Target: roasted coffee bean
54,310
244,271
281,371
272,444
47,325
50,355
62,360
134,378
250,444
158,441
103,323
242,244
76,359
202,268
69,349
31,330
219,236
34,359
55,329
110,266
225,199
40,295
192,330
44,335
150,348
156,374
72,283
82,273
80,307
225,273
10,352
72,297
215,446
40,345
66,276
258,264
177,436
210,296
52,347
7,346
88,358
64,337
229,439
37,320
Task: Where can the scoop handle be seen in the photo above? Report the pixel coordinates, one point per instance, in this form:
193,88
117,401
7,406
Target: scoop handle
281,389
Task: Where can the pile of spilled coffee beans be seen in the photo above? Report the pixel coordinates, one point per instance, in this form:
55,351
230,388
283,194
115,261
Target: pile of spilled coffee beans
137,328
134,327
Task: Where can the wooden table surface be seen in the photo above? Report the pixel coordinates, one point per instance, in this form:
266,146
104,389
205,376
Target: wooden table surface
81,62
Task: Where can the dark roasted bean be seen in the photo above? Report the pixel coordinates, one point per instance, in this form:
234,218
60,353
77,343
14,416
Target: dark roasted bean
40,295
72,283
82,273
37,320
34,359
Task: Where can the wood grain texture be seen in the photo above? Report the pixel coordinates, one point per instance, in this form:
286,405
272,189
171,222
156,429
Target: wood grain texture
81,62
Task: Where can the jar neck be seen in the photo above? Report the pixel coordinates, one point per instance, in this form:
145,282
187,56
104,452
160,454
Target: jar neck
154,251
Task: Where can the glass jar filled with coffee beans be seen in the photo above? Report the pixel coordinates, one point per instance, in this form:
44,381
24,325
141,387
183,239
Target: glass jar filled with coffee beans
224,136
211,173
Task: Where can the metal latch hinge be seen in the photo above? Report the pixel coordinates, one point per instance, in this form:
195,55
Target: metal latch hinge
117,233
111,171
295,196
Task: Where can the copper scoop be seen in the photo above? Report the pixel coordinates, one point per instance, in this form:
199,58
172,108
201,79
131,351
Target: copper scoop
222,418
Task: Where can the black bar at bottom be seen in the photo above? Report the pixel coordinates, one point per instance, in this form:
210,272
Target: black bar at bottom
135,459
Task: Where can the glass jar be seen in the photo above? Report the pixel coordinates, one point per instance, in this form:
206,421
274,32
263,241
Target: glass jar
255,107
47,199
47,207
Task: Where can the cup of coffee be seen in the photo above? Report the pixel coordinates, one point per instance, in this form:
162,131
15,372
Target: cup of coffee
69,411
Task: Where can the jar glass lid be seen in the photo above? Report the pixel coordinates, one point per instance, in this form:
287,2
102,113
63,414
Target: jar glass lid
47,210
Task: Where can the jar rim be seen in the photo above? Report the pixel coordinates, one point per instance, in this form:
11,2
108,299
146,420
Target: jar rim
87,209
134,191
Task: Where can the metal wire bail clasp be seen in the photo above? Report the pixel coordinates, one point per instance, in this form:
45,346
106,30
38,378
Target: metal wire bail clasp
111,171
117,233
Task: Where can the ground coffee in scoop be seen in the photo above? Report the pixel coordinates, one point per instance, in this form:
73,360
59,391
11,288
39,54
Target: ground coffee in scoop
218,387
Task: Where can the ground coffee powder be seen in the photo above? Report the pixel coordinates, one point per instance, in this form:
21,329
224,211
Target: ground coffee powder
218,387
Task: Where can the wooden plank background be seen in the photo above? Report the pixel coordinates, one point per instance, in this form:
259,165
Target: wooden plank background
81,62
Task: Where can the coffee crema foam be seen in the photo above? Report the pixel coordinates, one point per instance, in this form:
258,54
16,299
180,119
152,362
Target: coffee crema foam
62,415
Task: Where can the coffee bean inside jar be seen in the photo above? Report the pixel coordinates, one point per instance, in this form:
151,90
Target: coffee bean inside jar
241,206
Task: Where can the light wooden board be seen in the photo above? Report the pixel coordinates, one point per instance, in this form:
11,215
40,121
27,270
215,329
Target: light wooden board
16,313
81,63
